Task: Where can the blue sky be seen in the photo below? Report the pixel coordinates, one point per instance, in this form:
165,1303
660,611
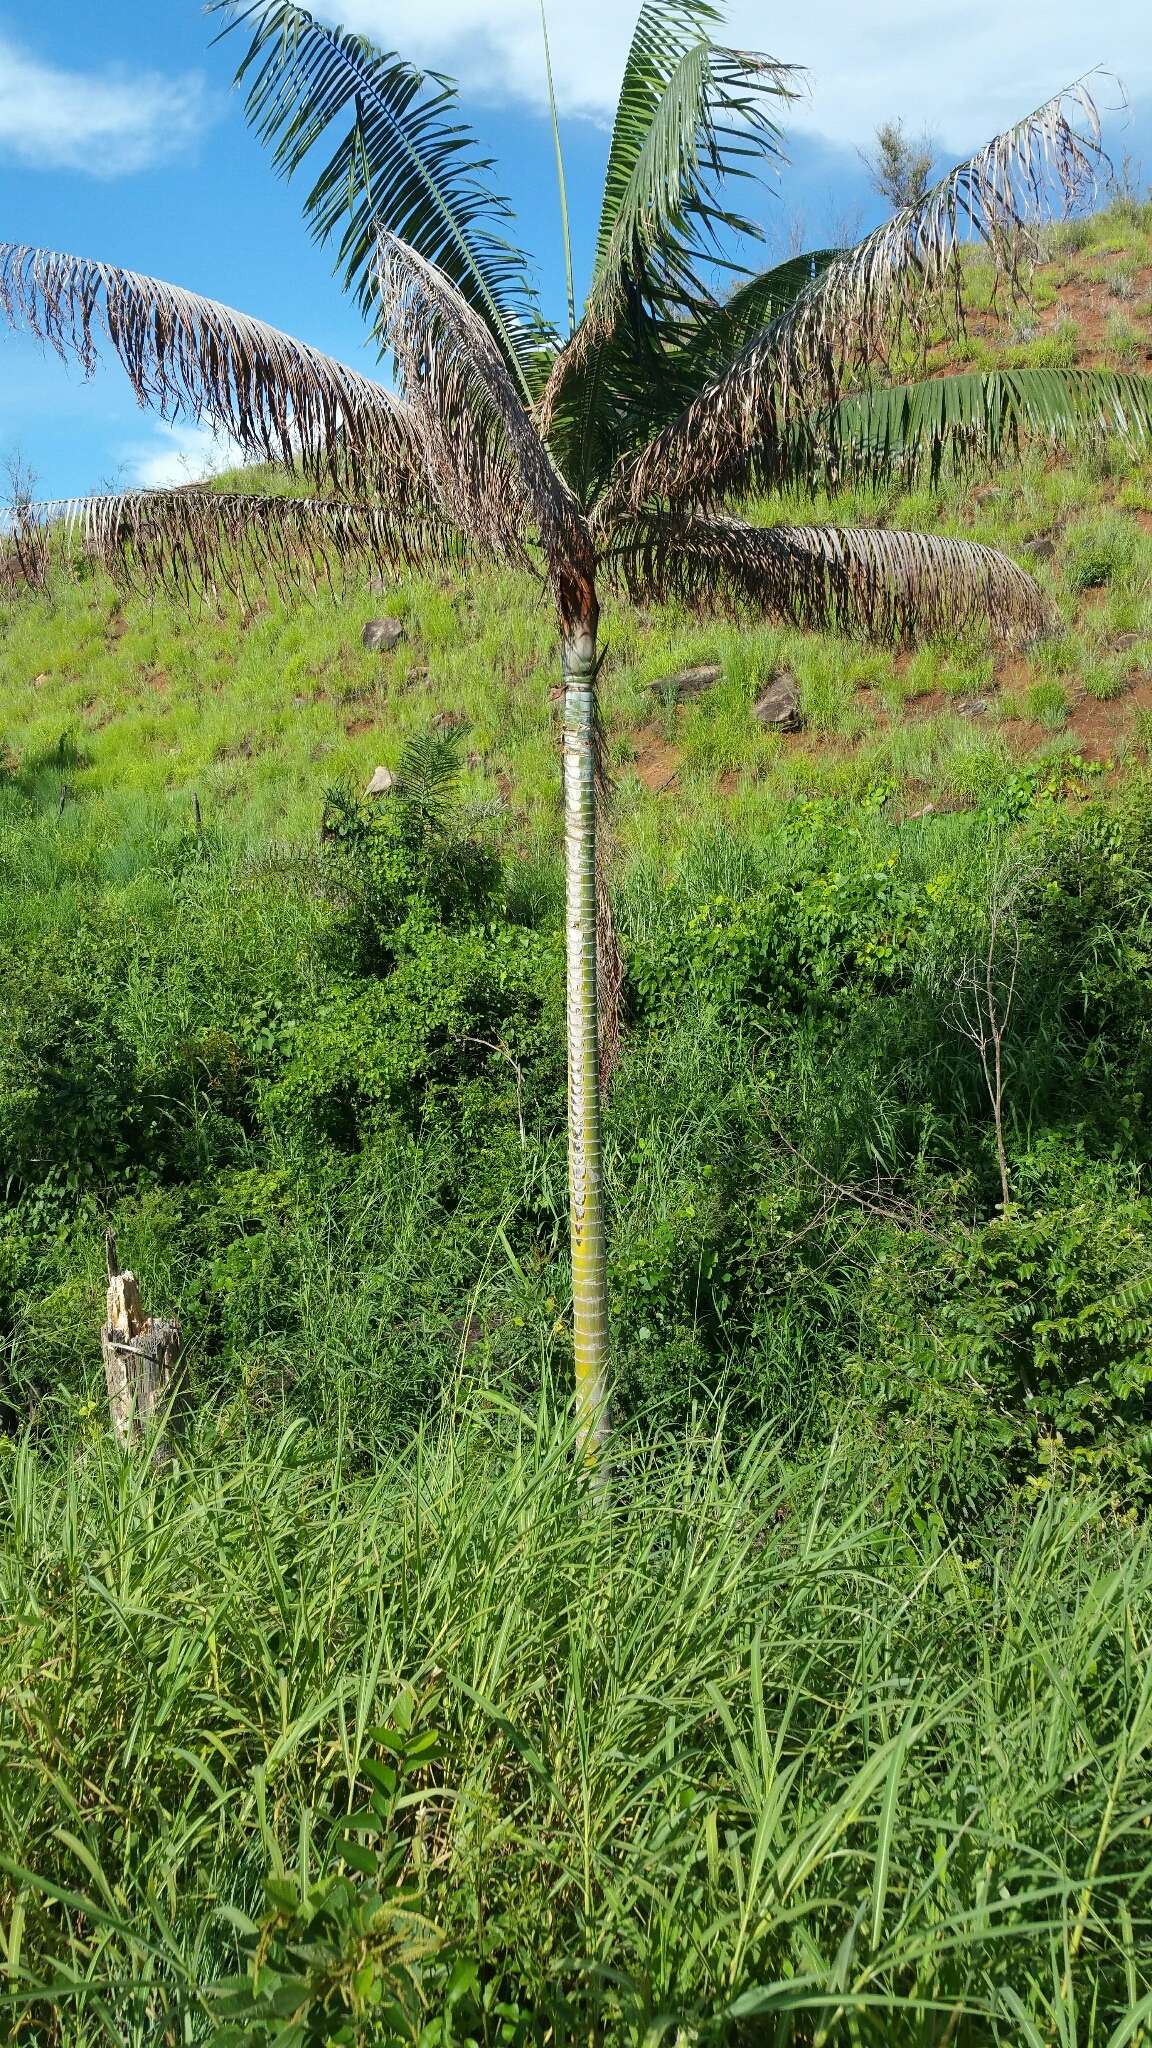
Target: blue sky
120,138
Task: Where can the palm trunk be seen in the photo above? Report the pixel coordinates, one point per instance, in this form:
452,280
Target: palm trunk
589,1277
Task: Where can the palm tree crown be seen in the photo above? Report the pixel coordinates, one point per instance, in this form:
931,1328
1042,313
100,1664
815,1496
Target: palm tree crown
611,450
616,443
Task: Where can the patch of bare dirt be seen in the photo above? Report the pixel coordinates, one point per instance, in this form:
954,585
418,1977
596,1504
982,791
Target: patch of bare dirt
657,762
1087,305
1097,728
929,704
1013,671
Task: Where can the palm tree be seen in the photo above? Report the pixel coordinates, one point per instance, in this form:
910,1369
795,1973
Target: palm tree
609,451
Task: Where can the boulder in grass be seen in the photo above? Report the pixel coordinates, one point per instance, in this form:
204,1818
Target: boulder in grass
382,782
778,705
687,682
380,636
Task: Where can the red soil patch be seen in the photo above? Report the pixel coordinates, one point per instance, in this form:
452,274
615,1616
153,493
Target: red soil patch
1088,306
929,704
1012,672
1096,727
658,763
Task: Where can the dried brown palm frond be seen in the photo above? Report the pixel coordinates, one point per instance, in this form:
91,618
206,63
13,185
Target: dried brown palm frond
474,428
858,310
189,356
197,541
888,585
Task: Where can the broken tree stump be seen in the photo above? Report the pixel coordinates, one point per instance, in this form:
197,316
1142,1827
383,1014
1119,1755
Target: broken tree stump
140,1357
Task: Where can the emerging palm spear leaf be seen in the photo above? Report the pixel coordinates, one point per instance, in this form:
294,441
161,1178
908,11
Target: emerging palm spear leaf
606,452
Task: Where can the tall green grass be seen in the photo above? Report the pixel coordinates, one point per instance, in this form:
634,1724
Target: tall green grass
744,1752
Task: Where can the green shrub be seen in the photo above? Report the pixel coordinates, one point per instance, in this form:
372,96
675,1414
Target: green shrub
1039,1363
1120,282
1056,350
1106,680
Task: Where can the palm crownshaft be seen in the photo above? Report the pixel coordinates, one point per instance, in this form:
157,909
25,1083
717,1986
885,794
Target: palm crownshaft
610,454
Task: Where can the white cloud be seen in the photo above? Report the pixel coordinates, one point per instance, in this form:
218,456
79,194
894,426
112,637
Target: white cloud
962,72
105,123
179,453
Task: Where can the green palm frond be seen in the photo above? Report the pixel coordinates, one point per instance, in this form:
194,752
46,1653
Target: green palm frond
691,116
430,767
724,330
976,416
405,163
706,348
625,394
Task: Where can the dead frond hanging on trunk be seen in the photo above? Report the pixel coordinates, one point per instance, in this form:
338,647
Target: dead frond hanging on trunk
871,580
189,356
196,541
901,277
474,426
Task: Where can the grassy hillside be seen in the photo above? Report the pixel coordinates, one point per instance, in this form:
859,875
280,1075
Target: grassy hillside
254,711
833,1722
